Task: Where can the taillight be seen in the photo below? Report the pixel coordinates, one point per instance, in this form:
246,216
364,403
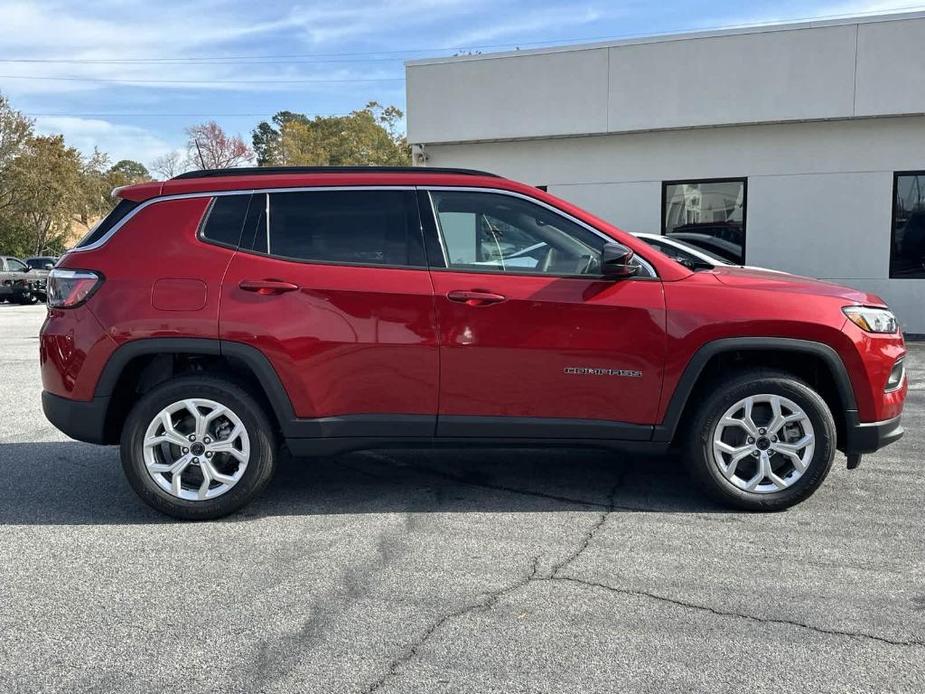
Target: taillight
70,288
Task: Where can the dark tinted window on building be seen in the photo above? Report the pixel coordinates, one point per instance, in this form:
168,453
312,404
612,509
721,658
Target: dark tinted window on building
366,227
709,215
226,219
907,255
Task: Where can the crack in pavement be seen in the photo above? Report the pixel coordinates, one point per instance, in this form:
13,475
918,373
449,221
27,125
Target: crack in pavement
484,604
555,575
728,613
492,598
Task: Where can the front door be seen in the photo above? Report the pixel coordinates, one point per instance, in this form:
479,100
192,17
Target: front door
336,293
533,341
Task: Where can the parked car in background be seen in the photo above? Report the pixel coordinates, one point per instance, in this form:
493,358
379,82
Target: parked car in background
723,239
17,282
688,255
40,266
334,309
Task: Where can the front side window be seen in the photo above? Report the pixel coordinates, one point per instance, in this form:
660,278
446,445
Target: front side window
363,227
907,254
501,233
709,215
16,265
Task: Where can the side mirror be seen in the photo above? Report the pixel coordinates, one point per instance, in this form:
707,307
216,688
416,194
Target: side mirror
617,261
49,266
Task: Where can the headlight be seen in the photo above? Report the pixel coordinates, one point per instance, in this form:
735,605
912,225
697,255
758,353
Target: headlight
872,320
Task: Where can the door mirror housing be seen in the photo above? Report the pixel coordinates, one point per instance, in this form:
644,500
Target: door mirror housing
617,261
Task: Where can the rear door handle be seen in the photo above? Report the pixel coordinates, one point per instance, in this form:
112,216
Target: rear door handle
475,297
268,287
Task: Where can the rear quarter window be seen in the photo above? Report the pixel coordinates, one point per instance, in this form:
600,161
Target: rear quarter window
225,219
119,212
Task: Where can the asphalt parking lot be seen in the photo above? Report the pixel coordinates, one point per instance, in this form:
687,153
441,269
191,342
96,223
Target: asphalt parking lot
460,571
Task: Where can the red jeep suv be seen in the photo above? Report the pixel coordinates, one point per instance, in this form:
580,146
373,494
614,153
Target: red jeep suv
215,316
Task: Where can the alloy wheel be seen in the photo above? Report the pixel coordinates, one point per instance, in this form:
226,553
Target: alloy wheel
763,443
196,449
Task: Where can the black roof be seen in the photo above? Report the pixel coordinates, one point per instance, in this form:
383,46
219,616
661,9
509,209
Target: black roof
269,170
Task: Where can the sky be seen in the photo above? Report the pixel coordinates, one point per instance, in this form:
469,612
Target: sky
128,77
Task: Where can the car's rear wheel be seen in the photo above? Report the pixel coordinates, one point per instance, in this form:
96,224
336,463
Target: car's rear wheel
761,441
198,447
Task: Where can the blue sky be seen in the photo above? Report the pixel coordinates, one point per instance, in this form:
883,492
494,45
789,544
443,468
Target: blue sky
137,73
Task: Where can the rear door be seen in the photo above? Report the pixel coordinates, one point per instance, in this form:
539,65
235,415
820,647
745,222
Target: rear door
332,286
534,342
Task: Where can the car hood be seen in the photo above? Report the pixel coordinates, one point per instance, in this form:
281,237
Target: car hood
774,281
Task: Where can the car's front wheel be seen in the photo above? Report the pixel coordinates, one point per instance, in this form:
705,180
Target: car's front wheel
198,447
761,441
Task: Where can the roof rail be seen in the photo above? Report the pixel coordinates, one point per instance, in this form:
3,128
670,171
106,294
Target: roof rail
270,170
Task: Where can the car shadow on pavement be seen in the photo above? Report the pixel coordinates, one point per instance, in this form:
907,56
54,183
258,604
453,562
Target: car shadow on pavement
71,483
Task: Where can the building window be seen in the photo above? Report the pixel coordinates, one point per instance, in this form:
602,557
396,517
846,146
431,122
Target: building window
707,214
907,251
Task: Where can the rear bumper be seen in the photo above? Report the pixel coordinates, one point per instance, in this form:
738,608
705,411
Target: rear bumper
868,437
84,420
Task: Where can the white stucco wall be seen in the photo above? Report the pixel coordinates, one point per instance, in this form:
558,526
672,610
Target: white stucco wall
808,71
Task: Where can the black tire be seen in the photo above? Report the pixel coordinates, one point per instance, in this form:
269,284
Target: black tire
260,466
725,393
27,299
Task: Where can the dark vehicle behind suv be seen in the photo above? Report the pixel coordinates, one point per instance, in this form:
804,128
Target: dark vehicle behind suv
215,316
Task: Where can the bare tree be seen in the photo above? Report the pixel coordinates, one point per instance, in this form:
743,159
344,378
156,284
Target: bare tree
169,165
209,147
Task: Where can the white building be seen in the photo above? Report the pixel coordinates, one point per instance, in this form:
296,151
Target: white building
801,146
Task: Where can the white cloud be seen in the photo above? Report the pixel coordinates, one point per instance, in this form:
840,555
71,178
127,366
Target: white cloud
41,31
118,141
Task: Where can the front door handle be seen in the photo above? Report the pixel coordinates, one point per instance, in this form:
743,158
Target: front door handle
268,287
475,297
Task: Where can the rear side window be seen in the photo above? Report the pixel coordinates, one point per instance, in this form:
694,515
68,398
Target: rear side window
225,220
363,227
119,212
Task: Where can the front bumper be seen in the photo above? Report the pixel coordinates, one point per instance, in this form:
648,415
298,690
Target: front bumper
84,420
868,437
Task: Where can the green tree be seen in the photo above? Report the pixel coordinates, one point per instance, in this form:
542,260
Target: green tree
15,130
48,183
127,171
266,137
369,136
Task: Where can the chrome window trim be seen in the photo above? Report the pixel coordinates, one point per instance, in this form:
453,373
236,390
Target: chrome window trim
220,193
266,202
555,210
